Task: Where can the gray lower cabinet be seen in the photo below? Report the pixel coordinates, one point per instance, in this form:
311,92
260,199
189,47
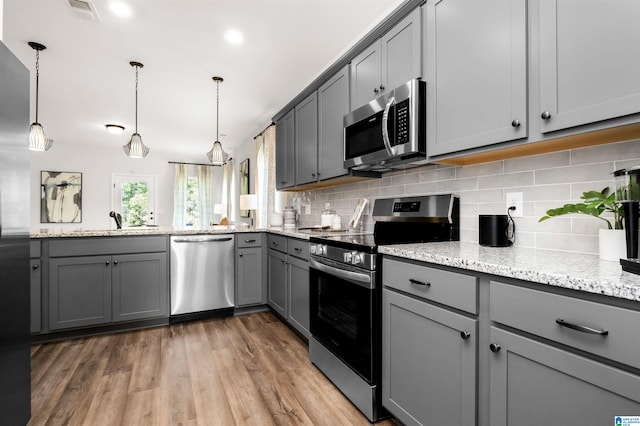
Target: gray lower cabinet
36,296
535,384
79,291
251,280
139,286
298,274
277,264
429,362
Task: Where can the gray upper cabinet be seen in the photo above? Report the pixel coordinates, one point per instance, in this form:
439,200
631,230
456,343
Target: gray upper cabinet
306,140
475,63
285,149
333,105
392,60
589,61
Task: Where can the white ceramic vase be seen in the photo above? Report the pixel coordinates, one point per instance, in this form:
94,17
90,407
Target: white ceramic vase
612,244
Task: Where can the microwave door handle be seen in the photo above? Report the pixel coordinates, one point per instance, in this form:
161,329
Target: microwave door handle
385,128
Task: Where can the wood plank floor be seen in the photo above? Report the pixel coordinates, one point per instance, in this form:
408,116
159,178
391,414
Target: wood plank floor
243,370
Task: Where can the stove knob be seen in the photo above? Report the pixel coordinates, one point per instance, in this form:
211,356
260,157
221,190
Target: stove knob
357,258
312,248
347,257
322,250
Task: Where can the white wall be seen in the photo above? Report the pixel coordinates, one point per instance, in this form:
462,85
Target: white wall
1,18
97,164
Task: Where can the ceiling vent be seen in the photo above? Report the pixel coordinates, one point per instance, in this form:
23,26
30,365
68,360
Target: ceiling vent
84,9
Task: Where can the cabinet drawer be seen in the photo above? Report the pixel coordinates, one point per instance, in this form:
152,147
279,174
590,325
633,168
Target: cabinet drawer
107,245
34,249
298,248
249,239
537,312
277,242
450,288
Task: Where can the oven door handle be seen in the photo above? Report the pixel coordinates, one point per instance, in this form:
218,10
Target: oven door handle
358,278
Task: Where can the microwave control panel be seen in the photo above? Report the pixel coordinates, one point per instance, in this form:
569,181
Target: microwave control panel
402,122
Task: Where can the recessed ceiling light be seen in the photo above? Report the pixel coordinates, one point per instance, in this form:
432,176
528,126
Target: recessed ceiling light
120,9
233,36
114,129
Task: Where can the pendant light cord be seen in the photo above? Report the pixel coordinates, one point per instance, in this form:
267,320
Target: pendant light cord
37,80
217,110
136,67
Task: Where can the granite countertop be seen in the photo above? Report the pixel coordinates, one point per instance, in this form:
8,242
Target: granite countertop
81,233
576,271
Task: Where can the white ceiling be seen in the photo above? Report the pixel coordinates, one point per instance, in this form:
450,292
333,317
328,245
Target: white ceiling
86,80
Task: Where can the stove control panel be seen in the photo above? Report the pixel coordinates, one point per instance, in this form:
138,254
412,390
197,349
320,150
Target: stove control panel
318,249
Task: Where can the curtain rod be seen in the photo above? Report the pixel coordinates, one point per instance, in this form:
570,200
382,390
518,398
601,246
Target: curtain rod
197,164
263,130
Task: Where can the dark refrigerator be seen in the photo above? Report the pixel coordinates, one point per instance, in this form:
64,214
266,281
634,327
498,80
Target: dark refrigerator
15,362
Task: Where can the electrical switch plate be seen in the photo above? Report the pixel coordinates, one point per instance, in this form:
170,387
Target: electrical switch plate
514,199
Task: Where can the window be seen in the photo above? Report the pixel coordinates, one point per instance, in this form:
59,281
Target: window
134,198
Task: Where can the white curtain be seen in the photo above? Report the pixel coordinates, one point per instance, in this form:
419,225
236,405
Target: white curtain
265,175
205,196
228,190
179,196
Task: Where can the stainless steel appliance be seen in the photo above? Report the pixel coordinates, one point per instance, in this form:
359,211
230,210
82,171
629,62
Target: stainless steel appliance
346,292
628,194
15,360
388,132
202,276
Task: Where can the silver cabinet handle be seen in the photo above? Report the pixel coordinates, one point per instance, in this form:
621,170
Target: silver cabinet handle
465,335
582,328
298,249
495,347
115,262
375,90
275,243
107,262
249,241
34,267
381,87
417,282
515,123
239,254
545,115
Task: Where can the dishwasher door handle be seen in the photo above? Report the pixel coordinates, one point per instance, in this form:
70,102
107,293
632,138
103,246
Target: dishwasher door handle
201,240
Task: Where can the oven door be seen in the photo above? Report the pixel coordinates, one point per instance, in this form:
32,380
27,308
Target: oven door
342,308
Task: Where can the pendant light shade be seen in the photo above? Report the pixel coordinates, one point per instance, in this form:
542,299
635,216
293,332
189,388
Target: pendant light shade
217,156
135,148
38,140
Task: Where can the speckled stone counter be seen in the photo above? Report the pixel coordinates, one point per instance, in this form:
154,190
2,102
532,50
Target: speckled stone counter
581,272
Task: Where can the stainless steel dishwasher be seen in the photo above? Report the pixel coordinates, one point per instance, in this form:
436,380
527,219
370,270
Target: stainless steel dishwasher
202,276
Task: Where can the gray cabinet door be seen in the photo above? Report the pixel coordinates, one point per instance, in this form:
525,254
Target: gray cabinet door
249,277
306,140
333,105
536,384
139,286
428,368
299,295
277,264
79,291
365,73
589,61
285,158
476,56
36,294
401,51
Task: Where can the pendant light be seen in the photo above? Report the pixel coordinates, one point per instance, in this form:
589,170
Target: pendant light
135,148
38,140
217,156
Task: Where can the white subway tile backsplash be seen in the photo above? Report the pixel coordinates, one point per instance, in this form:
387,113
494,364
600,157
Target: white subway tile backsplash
546,181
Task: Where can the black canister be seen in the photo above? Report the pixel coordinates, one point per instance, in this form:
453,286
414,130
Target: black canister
494,230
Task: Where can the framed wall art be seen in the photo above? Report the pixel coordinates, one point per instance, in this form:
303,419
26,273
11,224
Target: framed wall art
244,183
60,197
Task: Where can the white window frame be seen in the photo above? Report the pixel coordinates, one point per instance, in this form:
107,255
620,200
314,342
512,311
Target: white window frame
116,194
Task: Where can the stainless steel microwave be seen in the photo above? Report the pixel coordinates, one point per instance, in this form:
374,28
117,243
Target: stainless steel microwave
388,132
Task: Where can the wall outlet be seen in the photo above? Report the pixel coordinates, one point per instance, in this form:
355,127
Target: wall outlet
514,199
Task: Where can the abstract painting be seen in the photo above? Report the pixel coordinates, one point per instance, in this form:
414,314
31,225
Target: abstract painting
60,197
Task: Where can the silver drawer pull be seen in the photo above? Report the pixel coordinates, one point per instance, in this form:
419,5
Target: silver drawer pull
298,249
582,328
249,241
416,282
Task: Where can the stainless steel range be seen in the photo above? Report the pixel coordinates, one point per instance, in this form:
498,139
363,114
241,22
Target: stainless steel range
346,292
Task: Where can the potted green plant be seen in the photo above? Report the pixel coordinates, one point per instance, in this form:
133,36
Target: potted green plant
611,240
